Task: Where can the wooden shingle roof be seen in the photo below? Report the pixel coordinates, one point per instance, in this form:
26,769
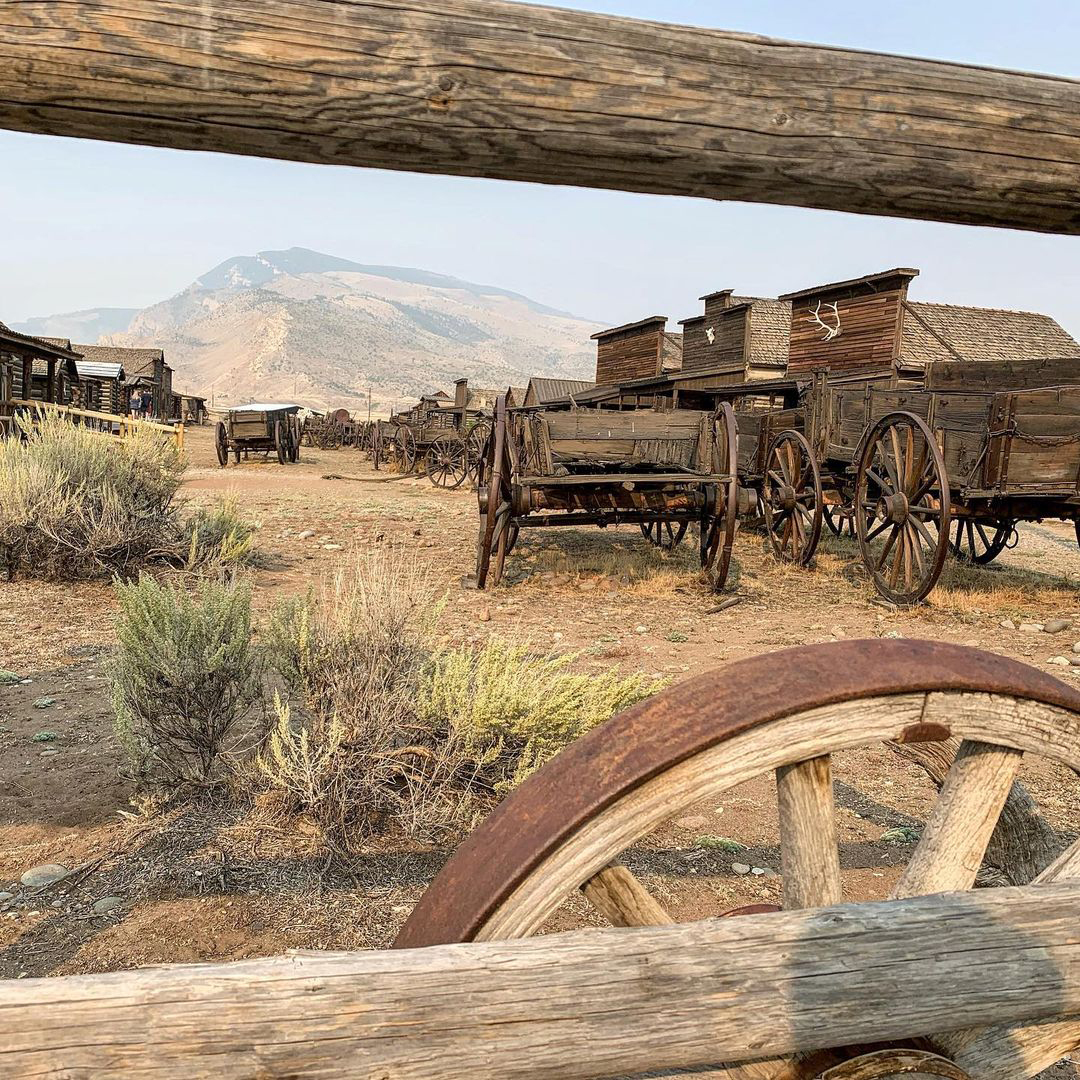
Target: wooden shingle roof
949,332
547,390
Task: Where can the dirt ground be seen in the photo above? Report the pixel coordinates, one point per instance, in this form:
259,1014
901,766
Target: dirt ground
201,883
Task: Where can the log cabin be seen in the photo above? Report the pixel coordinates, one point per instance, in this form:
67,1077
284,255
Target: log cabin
101,387
143,368
36,369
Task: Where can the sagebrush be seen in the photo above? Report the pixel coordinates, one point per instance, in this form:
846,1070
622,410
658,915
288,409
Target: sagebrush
185,675
75,503
388,729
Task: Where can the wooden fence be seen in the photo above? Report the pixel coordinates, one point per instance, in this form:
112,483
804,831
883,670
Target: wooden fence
585,1004
487,88
107,423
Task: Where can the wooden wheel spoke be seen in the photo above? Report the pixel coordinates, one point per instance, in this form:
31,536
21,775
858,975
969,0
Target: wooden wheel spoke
618,895
898,556
874,533
882,485
889,543
954,840
809,853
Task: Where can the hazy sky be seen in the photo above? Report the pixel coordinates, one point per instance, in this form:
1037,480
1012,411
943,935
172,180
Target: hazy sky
96,224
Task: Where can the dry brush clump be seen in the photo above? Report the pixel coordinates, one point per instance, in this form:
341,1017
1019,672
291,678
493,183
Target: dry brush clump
184,678
77,504
390,730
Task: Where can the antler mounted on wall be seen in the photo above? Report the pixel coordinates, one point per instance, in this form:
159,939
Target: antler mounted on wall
830,331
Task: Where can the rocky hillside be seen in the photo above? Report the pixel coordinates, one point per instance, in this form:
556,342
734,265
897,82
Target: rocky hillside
301,325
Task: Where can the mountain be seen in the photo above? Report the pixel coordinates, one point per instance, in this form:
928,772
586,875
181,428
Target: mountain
321,330
84,326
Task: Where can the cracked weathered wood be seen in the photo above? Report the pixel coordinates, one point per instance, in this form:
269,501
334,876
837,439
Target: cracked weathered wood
573,1005
618,895
486,88
809,853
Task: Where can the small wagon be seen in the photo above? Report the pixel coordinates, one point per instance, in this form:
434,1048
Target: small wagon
442,442
660,470
265,428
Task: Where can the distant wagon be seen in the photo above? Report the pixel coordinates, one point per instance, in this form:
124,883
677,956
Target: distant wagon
259,428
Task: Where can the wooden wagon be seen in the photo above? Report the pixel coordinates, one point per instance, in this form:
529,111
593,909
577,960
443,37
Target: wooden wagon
445,441
955,467
660,470
913,472
259,428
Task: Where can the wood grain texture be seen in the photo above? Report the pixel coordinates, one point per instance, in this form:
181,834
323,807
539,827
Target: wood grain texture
487,88
623,900
810,856
958,830
577,1005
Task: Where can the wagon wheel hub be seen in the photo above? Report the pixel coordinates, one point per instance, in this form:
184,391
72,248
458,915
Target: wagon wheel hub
894,508
787,497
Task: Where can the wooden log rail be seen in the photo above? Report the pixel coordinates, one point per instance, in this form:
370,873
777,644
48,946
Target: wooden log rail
586,1004
125,426
488,88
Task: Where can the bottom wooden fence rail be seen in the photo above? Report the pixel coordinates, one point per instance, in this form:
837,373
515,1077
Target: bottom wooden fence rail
1002,966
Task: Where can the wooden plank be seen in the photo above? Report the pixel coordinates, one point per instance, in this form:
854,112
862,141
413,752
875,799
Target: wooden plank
573,1005
954,840
810,857
618,895
488,88
993,375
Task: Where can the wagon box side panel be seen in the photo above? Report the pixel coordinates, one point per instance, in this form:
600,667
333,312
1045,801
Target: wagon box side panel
963,423
253,425
1040,449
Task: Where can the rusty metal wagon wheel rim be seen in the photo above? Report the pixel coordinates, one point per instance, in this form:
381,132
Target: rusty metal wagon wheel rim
564,829
665,535
221,444
975,542
902,507
719,525
446,461
792,498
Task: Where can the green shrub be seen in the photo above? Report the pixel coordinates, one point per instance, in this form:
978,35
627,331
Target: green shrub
220,537
75,503
388,730
183,677
509,708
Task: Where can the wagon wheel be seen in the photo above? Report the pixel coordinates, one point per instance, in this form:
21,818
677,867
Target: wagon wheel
281,442
294,441
666,535
977,543
785,713
475,443
446,462
403,449
718,525
221,444
493,479
791,494
902,507
840,518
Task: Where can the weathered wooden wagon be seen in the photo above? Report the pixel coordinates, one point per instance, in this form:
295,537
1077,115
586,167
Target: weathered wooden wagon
259,428
660,470
957,465
445,437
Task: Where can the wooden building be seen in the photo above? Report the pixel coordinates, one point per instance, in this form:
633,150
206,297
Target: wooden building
638,350
742,338
36,369
144,369
868,328
101,387
545,391
193,409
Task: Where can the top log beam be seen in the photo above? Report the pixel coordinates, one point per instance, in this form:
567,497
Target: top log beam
488,88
